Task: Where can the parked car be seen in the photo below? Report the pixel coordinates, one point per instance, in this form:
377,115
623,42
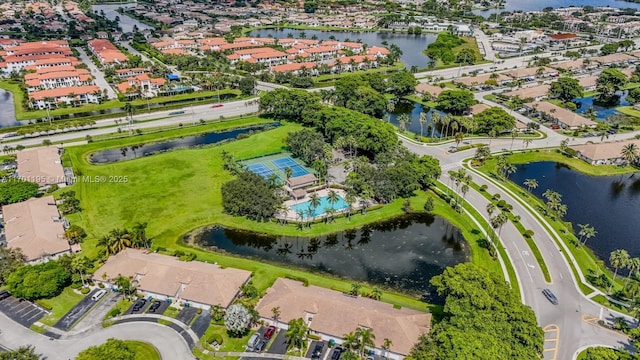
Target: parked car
337,352
154,306
550,296
253,341
4,294
139,304
261,345
317,351
270,331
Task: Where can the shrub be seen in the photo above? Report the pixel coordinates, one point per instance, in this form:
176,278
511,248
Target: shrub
484,187
217,338
199,311
528,233
101,285
85,290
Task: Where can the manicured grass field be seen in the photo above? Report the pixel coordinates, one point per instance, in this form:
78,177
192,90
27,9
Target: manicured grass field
573,163
228,343
60,305
143,350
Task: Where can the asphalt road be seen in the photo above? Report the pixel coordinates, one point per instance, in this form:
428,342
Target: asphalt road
97,74
70,318
168,343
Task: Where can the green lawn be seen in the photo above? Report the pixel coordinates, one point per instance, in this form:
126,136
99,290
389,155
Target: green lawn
469,43
59,305
573,163
178,191
122,306
143,351
228,343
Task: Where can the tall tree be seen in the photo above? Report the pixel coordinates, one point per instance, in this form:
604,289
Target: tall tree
296,334
566,89
618,260
531,184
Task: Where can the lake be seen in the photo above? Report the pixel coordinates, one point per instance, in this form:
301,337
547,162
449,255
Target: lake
401,254
528,5
601,112
138,151
126,23
411,45
7,110
414,109
611,204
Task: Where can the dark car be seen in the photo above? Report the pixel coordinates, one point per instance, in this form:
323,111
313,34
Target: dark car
270,331
337,352
4,294
154,306
139,304
317,351
549,295
260,347
218,105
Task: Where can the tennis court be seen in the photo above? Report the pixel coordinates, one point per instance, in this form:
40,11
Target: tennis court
287,162
260,169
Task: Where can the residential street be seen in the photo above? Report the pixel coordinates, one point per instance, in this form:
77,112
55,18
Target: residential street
97,74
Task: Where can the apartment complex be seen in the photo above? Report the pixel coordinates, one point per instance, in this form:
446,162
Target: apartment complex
20,55
107,53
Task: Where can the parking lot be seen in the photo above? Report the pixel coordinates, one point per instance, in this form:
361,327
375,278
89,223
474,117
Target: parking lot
69,319
162,307
23,312
312,347
201,324
141,310
187,314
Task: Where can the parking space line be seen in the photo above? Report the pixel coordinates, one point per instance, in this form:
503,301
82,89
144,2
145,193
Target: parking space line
550,330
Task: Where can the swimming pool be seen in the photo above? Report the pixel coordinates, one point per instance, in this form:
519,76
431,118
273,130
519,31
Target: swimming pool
341,204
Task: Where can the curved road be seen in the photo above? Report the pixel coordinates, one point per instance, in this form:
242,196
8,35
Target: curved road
167,341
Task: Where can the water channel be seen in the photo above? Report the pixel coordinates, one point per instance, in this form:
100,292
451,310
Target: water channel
528,5
411,45
611,204
7,110
138,151
400,254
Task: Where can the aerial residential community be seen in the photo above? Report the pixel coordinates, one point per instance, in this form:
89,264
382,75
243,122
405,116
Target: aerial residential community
315,179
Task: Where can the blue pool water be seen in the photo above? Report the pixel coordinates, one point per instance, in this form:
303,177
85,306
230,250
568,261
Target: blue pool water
601,111
324,204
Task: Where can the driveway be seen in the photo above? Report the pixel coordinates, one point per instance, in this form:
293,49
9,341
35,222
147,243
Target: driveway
69,319
160,310
23,312
312,347
201,324
139,311
97,314
98,75
279,344
187,314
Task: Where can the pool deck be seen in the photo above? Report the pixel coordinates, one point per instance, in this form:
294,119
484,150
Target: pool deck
291,215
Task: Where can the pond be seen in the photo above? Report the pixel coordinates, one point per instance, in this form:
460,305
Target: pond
126,22
7,111
138,151
411,45
400,254
528,5
602,112
403,106
611,204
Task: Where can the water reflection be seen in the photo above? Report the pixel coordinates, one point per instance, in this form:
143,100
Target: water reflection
7,111
608,203
403,106
137,151
401,254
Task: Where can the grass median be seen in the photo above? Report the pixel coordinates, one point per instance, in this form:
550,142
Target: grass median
59,305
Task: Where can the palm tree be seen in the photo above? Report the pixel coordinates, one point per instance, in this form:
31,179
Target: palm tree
531,184
314,201
332,198
458,138
386,346
376,293
351,341
633,265
629,153
526,142
140,234
296,334
288,172
423,119
366,338
446,120
355,289
350,199
436,120
403,120
586,232
492,134
275,311
498,221
618,259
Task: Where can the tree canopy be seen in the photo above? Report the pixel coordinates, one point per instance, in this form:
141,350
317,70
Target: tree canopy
22,353
113,349
33,282
402,83
609,82
494,119
455,101
356,93
249,195
287,104
17,190
371,135
442,48
566,89
237,319
483,319
10,260
308,145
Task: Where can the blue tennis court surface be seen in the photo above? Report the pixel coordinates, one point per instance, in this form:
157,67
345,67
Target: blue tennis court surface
260,169
287,162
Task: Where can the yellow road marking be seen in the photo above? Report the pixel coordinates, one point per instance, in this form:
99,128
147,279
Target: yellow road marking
550,329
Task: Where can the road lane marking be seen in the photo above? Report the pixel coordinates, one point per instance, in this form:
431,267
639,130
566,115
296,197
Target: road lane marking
550,330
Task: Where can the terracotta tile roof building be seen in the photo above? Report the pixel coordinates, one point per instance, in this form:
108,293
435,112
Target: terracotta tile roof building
332,314
166,277
563,117
41,166
603,153
34,226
